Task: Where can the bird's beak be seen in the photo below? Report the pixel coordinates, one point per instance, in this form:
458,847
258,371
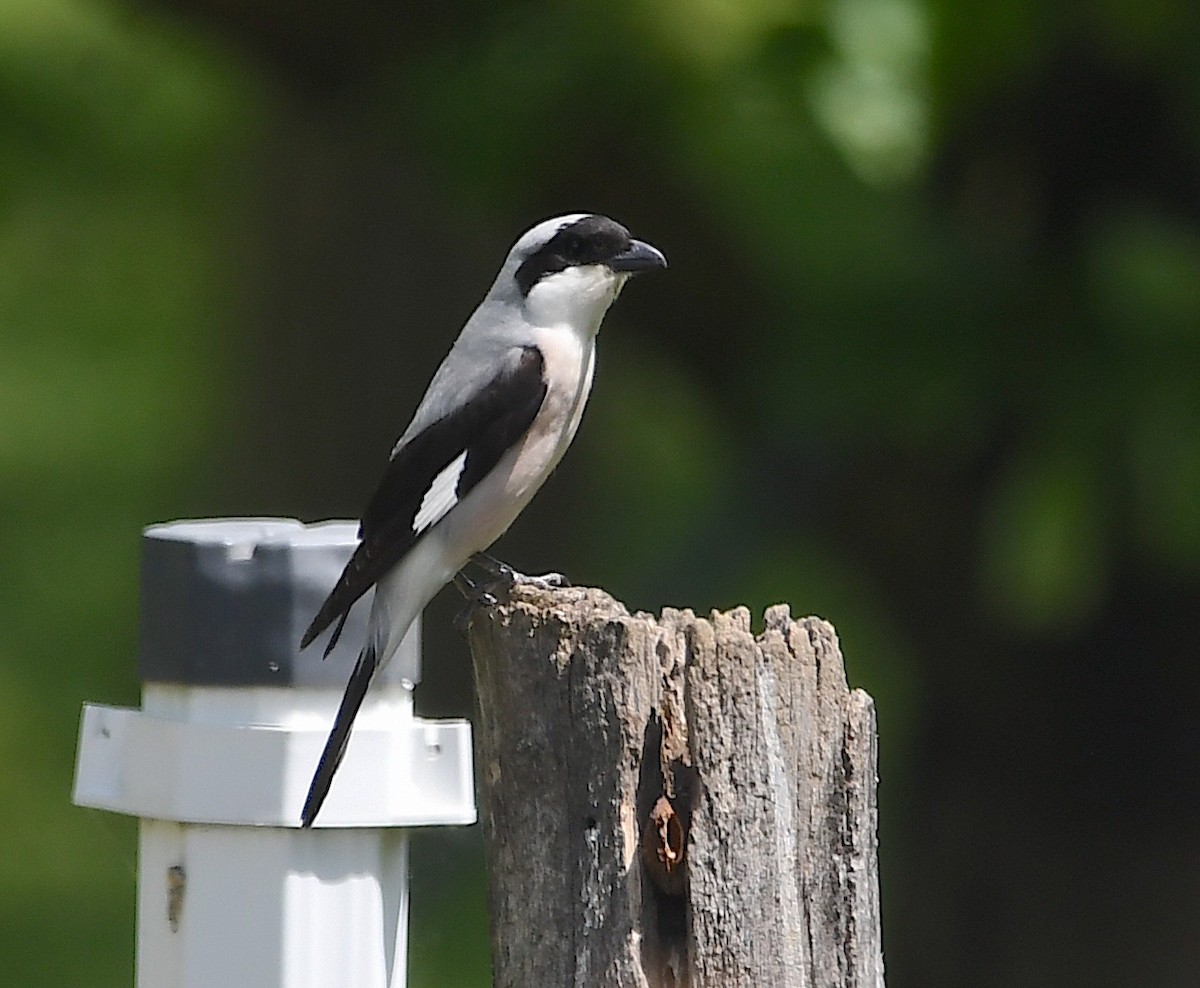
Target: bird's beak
638,256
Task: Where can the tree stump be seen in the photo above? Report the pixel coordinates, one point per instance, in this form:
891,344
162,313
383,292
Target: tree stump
673,802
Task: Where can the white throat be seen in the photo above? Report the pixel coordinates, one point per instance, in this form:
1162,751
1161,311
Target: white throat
578,297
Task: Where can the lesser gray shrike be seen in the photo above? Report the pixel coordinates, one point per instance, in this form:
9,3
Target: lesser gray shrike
496,419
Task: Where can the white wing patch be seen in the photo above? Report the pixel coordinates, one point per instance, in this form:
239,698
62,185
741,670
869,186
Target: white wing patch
441,496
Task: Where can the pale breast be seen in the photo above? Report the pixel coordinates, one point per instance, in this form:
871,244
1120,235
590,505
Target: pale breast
485,513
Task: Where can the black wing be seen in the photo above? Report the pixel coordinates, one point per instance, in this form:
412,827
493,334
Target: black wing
478,433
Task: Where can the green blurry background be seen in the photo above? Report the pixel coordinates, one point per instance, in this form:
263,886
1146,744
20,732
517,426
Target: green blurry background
926,363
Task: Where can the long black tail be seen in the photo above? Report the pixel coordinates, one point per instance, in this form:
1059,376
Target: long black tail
335,747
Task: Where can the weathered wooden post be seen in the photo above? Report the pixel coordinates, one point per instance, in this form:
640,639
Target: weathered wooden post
674,802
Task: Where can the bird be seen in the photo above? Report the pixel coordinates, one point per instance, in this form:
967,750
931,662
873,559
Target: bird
496,418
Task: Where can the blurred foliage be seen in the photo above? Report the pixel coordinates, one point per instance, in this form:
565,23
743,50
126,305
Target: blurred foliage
116,135
926,362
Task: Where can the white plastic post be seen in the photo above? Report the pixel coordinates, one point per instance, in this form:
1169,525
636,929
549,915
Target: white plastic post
217,762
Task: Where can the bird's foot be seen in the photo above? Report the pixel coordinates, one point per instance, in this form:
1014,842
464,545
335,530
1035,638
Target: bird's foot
543,581
506,574
501,579
475,595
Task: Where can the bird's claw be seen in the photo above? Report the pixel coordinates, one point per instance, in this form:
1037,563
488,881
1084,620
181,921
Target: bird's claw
545,581
511,577
475,595
503,579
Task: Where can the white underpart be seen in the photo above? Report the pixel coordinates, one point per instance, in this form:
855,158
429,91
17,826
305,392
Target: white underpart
441,496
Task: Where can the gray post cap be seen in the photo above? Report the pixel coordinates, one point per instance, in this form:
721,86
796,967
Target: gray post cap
225,601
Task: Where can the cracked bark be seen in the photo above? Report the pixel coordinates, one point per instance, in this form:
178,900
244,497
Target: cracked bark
760,868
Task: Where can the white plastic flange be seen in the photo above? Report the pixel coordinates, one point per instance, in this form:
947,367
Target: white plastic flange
246,756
